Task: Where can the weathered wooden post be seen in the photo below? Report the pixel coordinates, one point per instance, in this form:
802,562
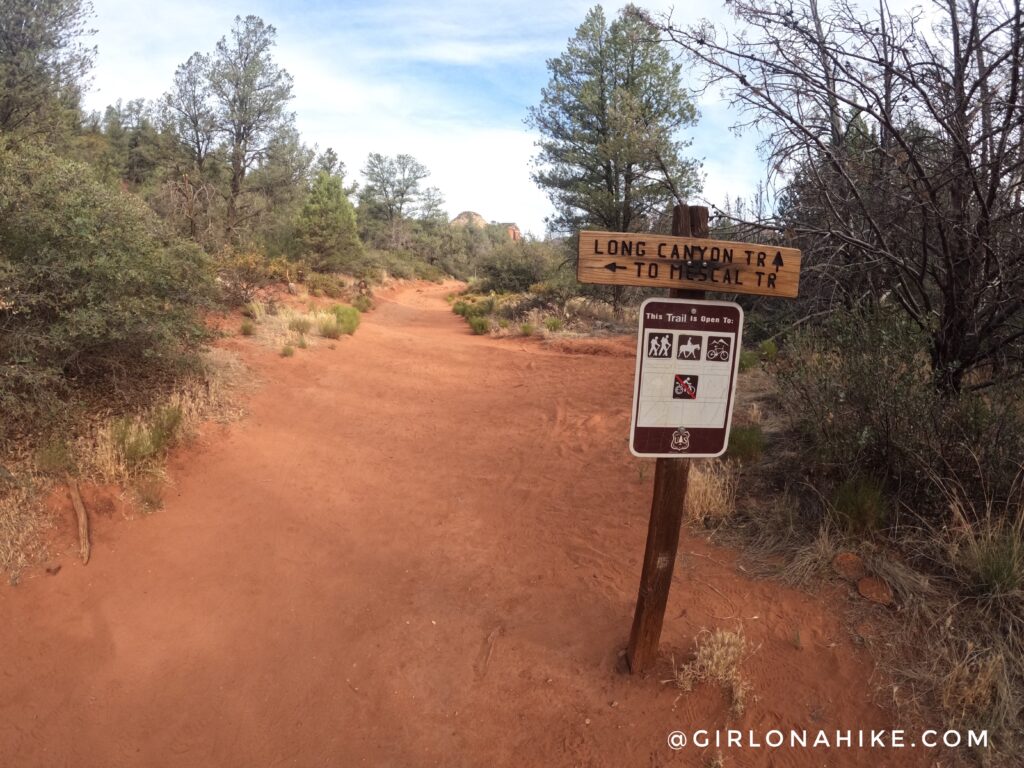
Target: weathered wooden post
694,347
671,480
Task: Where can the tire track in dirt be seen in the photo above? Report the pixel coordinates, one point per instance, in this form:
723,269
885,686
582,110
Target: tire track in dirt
420,548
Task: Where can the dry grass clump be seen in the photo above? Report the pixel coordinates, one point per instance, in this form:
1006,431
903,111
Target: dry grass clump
123,449
289,328
711,494
127,447
717,658
22,522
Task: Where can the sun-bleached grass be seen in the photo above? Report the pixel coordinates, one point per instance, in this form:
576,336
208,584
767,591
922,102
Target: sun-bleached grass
126,447
717,658
22,523
711,494
293,328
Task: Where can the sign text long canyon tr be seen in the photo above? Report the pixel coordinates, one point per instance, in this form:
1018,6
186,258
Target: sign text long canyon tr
687,263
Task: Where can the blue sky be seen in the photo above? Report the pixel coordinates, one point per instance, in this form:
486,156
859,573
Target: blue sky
448,82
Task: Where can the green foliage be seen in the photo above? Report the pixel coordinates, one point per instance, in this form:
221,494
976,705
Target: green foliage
138,442
514,266
330,328
248,328
347,317
479,325
991,561
608,120
242,274
392,188
249,95
859,392
402,265
91,288
768,350
363,303
746,442
748,359
327,226
860,505
287,350
331,286
553,324
43,64
527,329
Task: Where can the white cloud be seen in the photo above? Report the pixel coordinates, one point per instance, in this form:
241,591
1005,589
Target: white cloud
375,78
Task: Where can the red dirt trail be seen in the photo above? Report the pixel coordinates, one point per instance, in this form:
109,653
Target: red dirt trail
421,548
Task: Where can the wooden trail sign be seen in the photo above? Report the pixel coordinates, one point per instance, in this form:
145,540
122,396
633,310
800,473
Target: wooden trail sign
687,263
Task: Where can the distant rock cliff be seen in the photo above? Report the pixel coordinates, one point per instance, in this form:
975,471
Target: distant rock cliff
469,219
473,219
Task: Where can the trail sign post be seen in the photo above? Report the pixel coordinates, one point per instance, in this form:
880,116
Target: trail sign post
687,263
686,360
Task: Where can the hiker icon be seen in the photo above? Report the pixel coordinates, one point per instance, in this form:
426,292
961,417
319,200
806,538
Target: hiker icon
689,347
659,345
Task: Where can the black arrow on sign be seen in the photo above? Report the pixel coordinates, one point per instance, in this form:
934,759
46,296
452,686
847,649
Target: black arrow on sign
777,262
613,267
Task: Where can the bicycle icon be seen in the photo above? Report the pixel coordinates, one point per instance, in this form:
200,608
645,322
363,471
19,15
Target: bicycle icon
719,349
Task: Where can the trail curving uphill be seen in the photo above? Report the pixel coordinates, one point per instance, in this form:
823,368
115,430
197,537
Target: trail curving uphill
419,549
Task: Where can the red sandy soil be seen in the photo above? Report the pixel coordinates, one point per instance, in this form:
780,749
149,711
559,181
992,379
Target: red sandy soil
420,548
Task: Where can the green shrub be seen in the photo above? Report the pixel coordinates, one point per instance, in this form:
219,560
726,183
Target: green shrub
479,325
746,442
860,396
326,227
748,359
287,350
768,349
860,505
527,329
347,317
248,328
242,274
363,303
331,286
302,343
164,426
553,324
460,308
93,291
139,441
515,266
300,324
330,328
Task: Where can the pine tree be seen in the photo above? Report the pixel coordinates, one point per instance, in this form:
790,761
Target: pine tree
327,226
610,155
